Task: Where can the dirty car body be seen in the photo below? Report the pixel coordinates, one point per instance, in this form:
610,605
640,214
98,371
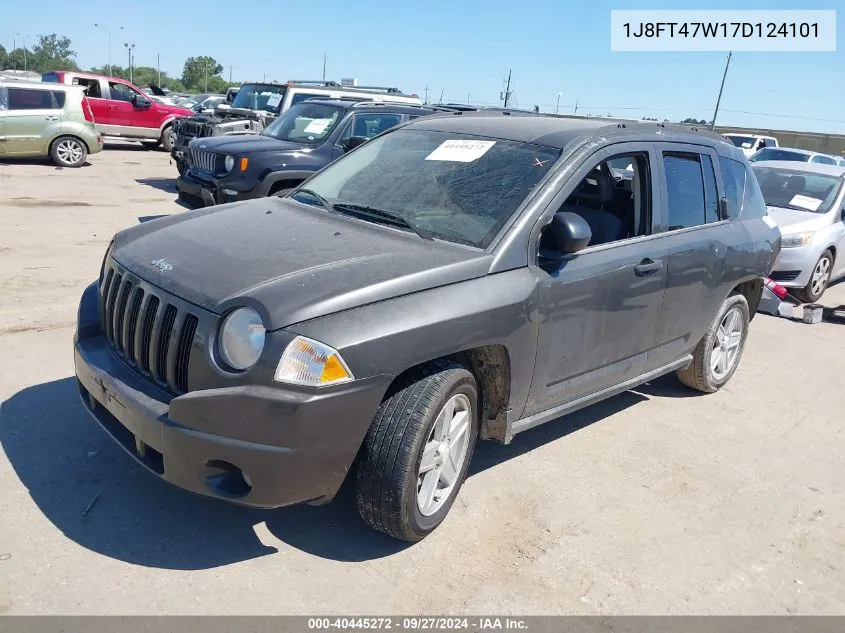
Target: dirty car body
454,278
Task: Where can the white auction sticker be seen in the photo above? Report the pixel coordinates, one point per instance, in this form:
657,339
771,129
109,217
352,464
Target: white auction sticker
461,151
806,202
274,100
317,126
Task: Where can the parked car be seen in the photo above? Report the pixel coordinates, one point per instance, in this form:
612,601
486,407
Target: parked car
123,110
301,141
256,105
793,155
38,119
807,201
461,276
750,143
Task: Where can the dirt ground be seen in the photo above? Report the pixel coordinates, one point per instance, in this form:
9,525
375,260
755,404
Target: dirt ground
657,501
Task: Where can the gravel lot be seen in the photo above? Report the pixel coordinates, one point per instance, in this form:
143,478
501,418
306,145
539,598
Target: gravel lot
657,501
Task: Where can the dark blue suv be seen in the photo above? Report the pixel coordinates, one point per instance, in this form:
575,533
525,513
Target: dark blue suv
303,140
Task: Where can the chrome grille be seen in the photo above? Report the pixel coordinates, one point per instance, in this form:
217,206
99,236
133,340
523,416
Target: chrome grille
148,332
205,160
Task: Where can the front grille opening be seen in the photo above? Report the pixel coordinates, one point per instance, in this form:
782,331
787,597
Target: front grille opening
121,314
113,289
164,342
134,309
186,340
147,332
784,275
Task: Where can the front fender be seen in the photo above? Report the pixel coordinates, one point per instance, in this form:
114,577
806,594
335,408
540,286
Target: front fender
270,178
389,337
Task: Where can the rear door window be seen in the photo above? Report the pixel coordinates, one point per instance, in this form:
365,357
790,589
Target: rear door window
29,99
685,188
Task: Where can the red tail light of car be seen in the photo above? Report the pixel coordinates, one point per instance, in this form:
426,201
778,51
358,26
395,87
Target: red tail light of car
86,110
779,291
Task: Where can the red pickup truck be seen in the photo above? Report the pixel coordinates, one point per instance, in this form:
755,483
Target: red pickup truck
121,109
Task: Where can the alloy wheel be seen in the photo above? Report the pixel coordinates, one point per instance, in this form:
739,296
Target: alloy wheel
443,455
726,344
69,151
821,275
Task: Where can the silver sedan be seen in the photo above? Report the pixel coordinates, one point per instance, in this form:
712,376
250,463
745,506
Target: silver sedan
807,201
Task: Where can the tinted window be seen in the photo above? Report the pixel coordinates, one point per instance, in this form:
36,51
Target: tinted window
50,77
685,189
824,160
774,153
305,123
733,178
267,97
711,194
121,92
302,96
59,98
27,99
740,141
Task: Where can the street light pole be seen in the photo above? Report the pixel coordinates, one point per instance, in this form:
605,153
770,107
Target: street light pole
108,31
24,50
557,105
129,48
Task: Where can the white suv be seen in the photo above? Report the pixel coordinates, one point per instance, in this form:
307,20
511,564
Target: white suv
750,143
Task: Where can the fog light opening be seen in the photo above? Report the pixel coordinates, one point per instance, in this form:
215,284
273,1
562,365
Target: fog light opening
227,479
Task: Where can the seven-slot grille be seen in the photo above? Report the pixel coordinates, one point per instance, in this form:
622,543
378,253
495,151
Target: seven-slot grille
205,160
147,331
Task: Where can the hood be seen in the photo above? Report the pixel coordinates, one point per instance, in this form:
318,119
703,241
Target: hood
247,143
290,261
793,221
173,109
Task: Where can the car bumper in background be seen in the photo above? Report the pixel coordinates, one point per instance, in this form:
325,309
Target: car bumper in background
794,266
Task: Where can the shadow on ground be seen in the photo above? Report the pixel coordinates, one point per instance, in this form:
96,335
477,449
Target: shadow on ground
65,461
167,185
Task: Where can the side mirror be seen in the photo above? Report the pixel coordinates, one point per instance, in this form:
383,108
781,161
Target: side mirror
142,103
567,233
354,141
724,209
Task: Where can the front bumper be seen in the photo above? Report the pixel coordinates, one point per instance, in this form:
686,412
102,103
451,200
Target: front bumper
794,266
211,192
293,446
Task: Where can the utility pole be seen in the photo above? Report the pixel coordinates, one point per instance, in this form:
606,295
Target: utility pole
441,96
158,63
576,106
205,68
467,98
722,87
557,105
426,95
508,89
129,49
24,49
230,73
324,67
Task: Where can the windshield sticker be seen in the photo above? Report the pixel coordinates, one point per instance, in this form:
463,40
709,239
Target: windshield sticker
460,151
806,202
317,126
274,100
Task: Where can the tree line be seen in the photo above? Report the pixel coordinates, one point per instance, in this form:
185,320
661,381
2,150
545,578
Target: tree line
55,52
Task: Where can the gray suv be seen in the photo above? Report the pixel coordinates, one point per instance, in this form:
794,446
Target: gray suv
463,276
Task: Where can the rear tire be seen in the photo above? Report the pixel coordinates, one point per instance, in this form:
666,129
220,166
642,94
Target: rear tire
431,413
819,280
717,355
168,139
68,151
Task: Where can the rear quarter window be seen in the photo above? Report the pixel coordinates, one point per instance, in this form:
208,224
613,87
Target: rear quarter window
51,78
59,97
29,99
733,177
753,204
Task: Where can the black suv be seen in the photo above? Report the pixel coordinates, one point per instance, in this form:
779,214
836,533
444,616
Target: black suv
303,140
460,277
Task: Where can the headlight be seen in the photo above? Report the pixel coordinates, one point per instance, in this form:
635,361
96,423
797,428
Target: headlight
309,362
229,163
241,338
796,241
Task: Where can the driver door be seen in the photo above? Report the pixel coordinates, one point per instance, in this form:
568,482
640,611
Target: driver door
124,117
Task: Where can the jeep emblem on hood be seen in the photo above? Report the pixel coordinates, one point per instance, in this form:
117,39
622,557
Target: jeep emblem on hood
162,264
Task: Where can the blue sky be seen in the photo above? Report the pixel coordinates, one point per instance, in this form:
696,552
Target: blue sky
461,47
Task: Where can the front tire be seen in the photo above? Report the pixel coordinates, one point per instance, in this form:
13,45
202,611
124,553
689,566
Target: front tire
819,280
417,451
68,151
717,355
168,139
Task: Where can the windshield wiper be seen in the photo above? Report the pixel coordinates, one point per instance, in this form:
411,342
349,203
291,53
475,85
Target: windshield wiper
393,218
328,206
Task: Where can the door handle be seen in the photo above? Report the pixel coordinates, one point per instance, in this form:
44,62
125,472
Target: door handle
51,118
648,267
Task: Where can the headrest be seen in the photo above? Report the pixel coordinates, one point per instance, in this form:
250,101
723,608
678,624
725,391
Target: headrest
597,186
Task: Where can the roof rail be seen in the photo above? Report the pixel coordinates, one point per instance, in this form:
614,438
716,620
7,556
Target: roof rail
378,88
313,82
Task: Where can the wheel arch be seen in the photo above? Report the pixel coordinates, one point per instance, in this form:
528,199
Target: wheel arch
752,290
68,135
